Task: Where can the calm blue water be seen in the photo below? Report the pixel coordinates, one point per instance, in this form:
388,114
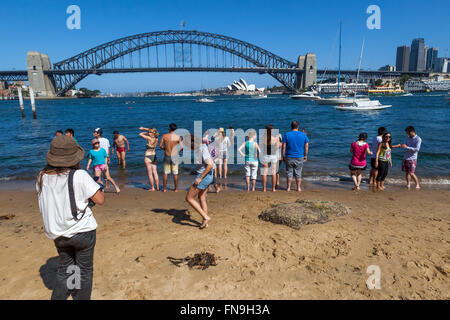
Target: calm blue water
24,142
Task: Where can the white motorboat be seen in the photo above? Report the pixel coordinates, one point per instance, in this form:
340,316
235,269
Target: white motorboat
205,100
363,106
308,95
259,96
340,100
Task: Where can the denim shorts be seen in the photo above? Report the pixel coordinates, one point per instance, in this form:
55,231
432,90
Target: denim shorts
206,181
294,167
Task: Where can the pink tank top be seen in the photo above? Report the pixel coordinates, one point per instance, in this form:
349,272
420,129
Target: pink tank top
359,153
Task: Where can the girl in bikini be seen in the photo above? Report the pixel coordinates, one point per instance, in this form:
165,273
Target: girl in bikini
151,136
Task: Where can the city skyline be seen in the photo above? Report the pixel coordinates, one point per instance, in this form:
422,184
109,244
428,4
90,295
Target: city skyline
287,33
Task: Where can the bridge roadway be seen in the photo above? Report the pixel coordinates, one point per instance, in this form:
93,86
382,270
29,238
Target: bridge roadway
22,75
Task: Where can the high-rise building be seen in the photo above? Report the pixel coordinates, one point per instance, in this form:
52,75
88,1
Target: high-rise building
432,55
417,58
402,61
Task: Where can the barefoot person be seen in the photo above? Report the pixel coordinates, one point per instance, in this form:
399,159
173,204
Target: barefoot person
104,143
223,143
151,136
409,163
270,144
252,152
384,159
98,158
119,144
375,142
359,149
73,231
204,178
169,143
295,154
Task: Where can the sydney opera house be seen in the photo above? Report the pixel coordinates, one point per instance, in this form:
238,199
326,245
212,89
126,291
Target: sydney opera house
242,87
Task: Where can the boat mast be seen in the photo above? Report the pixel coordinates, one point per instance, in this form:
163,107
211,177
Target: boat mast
360,58
339,77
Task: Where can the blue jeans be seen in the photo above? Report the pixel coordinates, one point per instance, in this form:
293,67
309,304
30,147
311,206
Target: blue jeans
78,251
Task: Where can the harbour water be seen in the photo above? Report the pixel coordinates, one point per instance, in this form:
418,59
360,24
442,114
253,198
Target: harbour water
24,142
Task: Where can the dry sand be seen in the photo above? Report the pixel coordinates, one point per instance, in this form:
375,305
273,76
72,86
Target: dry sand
405,233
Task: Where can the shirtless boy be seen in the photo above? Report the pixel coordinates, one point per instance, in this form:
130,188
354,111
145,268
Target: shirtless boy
169,142
119,144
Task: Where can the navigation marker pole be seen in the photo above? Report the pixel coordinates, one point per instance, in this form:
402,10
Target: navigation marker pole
19,91
33,105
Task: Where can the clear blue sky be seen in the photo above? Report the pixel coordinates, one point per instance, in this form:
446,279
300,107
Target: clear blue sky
287,28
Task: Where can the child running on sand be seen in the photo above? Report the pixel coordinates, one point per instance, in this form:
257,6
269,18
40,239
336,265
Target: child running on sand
359,149
252,152
98,158
205,177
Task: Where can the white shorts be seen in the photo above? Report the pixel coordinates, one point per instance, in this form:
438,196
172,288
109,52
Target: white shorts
272,159
251,169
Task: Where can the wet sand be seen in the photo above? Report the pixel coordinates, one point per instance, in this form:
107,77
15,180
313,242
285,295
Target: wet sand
405,233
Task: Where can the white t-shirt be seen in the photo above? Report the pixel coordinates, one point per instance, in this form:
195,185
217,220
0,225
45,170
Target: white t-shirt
54,204
224,144
375,142
104,143
204,154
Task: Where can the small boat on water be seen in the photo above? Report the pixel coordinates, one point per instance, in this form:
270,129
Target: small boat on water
387,90
308,95
205,100
341,100
368,105
259,96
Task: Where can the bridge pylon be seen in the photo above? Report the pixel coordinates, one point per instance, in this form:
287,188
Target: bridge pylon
42,84
308,76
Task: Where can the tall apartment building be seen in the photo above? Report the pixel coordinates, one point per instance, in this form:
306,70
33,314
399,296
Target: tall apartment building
402,60
417,58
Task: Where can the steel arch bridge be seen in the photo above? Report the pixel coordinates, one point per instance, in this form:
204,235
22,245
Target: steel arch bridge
186,51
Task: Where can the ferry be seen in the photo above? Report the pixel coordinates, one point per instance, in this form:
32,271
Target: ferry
387,90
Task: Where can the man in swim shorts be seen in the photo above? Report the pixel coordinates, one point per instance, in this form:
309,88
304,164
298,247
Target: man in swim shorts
169,143
119,144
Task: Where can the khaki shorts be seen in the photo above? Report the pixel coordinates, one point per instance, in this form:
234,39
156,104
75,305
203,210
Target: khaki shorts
170,166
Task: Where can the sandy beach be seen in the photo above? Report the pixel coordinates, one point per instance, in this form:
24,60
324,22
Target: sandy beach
405,233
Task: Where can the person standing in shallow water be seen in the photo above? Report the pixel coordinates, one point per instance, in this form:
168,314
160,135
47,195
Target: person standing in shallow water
151,136
384,159
359,149
375,142
252,152
409,164
73,233
295,154
169,143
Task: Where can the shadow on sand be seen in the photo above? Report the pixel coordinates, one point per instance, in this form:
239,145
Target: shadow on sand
48,272
179,216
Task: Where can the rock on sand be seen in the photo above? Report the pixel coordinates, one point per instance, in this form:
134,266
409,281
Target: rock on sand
303,212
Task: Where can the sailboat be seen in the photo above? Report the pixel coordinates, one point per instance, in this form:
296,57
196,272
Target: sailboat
340,99
362,105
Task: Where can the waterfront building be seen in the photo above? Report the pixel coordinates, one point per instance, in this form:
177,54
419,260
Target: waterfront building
402,61
387,68
432,55
333,87
436,84
417,58
442,65
242,87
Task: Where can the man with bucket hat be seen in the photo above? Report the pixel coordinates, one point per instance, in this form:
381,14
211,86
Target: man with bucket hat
65,196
